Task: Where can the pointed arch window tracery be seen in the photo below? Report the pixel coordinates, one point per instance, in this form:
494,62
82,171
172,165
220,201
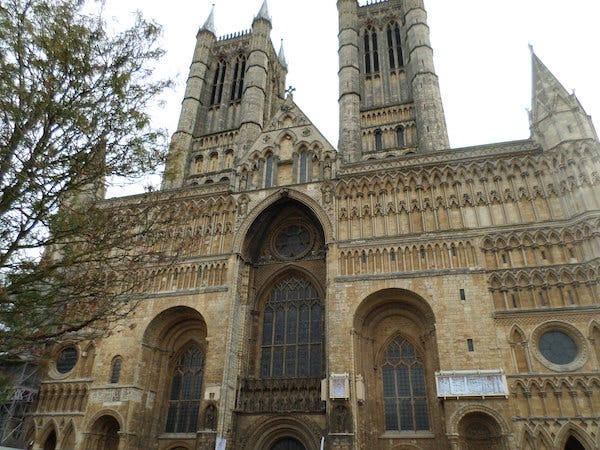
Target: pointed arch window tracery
394,42
186,392
239,71
371,51
404,388
292,333
218,83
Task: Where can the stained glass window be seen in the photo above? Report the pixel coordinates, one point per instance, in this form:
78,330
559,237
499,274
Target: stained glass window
404,390
186,392
292,242
66,360
292,338
558,347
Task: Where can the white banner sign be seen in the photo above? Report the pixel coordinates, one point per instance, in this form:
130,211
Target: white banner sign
220,444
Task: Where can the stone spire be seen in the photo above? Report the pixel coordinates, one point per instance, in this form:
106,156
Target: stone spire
556,115
264,12
281,55
209,25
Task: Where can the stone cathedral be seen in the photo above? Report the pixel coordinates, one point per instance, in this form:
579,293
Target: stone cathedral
388,293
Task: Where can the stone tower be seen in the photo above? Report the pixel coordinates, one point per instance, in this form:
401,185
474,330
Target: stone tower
232,91
390,103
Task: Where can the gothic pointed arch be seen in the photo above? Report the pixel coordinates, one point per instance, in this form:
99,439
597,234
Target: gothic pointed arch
285,358
261,213
174,348
573,437
104,433
267,432
396,351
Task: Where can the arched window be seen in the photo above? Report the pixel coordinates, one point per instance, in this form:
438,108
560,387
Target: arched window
400,137
371,53
238,79
292,335
115,370
186,392
303,171
269,171
394,46
404,390
378,140
218,82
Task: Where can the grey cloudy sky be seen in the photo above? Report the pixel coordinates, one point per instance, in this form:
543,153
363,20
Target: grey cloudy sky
480,49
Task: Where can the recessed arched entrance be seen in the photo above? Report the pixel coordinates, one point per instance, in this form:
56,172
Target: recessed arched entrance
478,430
104,434
50,443
288,443
573,444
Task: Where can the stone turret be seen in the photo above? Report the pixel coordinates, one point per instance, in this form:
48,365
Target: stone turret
390,102
181,141
349,81
255,91
556,116
429,113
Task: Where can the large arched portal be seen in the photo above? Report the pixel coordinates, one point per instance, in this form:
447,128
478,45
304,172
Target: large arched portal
104,434
174,349
285,352
396,351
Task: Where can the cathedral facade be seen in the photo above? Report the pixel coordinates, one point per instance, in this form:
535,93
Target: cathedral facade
387,293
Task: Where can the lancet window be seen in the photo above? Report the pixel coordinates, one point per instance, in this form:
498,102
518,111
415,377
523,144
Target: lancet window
394,46
218,82
239,71
371,52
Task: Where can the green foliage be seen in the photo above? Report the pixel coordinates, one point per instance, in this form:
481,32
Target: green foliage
74,101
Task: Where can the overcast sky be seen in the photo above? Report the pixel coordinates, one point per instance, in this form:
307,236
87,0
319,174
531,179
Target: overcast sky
480,48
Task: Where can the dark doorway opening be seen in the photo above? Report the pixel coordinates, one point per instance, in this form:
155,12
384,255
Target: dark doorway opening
288,444
573,444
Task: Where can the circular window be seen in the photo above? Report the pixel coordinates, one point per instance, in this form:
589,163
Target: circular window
66,360
292,242
558,347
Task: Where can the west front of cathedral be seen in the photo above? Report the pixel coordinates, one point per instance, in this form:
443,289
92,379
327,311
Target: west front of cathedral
388,293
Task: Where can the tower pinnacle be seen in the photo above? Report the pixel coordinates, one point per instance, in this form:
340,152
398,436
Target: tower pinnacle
264,12
209,24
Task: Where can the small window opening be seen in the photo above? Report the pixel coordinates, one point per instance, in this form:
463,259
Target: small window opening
571,298
544,255
463,295
393,255
115,372
514,300
470,345
400,136
422,253
504,260
378,140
